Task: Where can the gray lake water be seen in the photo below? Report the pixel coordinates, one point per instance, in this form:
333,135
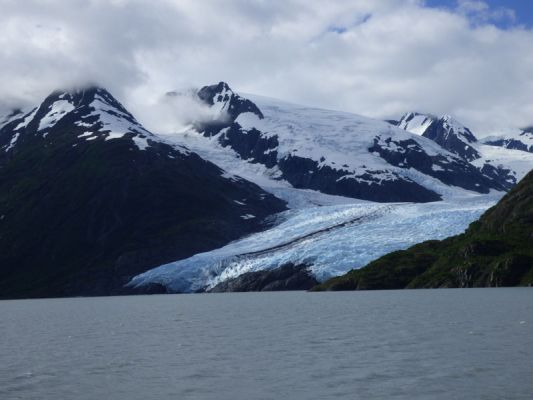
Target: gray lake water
424,344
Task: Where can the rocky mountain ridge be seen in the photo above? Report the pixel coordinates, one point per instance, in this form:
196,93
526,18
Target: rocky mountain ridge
89,198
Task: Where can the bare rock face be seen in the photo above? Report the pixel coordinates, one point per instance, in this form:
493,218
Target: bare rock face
286,277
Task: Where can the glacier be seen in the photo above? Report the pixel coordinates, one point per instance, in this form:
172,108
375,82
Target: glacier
331,234
331,239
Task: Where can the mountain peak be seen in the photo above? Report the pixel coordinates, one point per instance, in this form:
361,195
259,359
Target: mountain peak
416,122
87,114
419,123
444,130
453,136
91,107
220,92
224,86
86,96
228,104
453,126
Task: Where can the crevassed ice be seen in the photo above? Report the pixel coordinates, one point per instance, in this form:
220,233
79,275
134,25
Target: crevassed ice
332,239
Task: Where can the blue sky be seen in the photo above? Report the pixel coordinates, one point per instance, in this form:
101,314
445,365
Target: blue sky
523,10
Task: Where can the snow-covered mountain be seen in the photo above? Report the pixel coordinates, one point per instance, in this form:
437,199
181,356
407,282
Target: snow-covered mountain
415,122
516,139
90,198
93,112
327,233
445,130
337,153
504,166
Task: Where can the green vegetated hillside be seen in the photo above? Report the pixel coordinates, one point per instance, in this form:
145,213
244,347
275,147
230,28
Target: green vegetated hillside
496,250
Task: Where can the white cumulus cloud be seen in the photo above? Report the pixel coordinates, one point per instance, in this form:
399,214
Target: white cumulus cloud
378,58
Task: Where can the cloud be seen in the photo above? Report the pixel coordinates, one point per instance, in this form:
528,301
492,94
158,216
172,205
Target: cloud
378,58
172,112
480,12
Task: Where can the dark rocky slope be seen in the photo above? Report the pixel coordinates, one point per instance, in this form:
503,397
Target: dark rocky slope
495,251
83,209
286,277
